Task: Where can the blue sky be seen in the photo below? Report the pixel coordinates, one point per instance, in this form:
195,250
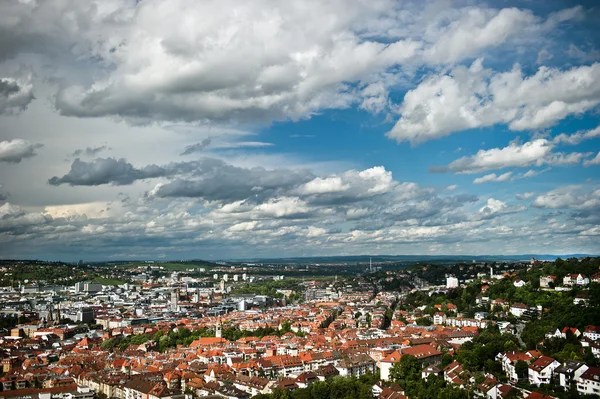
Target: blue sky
179,130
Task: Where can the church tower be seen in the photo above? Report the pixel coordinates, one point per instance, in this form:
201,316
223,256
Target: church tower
219,329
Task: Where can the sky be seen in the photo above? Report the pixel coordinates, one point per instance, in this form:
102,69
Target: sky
187,129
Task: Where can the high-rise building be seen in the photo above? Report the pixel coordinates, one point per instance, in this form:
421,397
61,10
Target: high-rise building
174,300
451,282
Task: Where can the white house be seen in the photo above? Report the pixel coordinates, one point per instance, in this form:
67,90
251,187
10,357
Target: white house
575,279
541,370
589,382
592,332
545,281
439,318
518,309
386,364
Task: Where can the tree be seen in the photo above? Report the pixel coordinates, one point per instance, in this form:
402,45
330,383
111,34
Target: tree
108,344
521,368
446,360
408,368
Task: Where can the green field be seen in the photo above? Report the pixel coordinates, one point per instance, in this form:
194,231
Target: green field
172,266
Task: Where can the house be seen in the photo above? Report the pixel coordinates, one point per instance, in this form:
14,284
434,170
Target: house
541,370
306,378
568,373
386,364
518,309
595,278
356,365
589,382
427,354
563,333
575,279
426,372
481,315
500,391
486,387
149,386
510,359
394,391
439,318
547,281
454,373
592,332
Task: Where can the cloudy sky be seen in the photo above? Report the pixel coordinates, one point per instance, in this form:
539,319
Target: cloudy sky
226,129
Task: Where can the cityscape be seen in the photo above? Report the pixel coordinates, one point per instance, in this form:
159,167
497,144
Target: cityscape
384,329
299,199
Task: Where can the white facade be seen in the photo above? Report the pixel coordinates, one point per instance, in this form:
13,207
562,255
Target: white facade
518,311
451,282
589,382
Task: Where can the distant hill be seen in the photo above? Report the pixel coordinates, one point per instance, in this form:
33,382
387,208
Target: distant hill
411,258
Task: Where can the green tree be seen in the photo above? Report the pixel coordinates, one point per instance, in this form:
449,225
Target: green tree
521,368
408,368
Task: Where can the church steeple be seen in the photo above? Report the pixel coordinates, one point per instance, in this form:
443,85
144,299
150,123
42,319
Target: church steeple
219,329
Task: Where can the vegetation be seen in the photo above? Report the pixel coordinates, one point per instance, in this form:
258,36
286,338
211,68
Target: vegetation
407,373
335,388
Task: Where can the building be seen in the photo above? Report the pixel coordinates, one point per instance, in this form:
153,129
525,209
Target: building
518,309
426,354
356,365
439,318
85,315
541,370
592,332
451,282
547,281
567,374
589,382
87,288
386,364
576,279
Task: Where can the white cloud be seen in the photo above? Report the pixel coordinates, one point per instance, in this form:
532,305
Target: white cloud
593,161
475,97
243,226
493,178
478,29
537,152
14,151
578,137
323,186
315,231
570,197
269,60
525,196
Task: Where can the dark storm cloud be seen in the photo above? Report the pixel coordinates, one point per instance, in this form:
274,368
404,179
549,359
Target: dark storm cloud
106,171
7,88
217,180
15,94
